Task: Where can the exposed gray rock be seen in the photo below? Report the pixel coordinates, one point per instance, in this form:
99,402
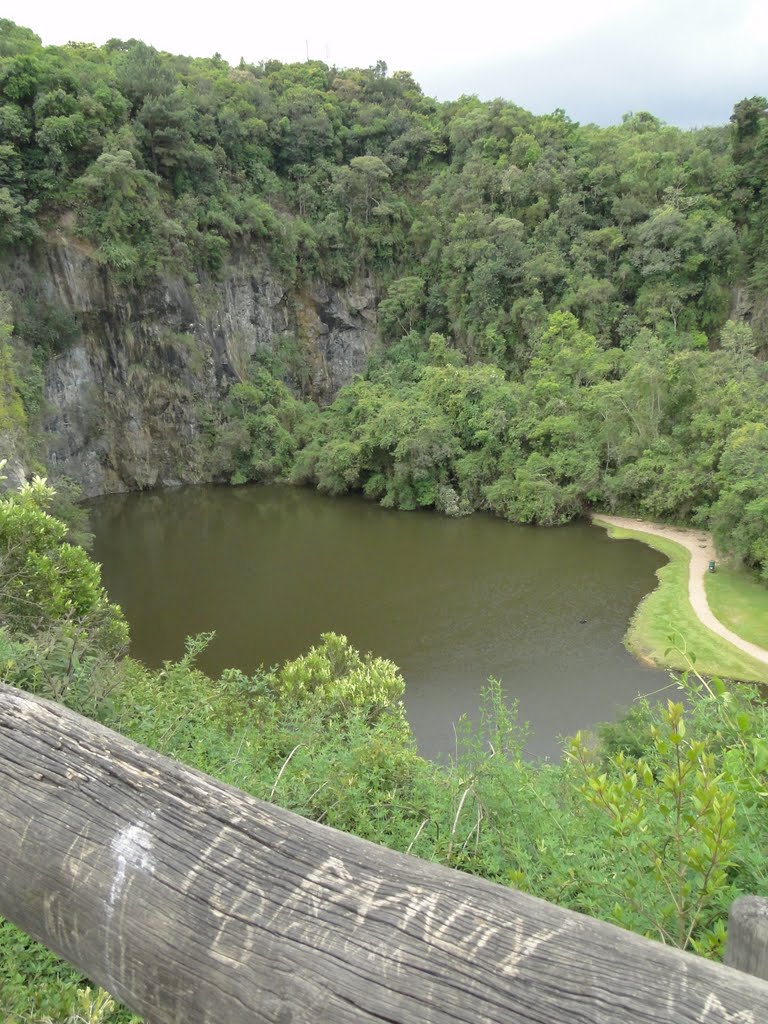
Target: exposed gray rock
126,405
752,307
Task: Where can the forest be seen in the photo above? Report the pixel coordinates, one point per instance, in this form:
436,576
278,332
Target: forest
571,318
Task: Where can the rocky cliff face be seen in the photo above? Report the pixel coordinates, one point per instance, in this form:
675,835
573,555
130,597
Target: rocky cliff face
126,404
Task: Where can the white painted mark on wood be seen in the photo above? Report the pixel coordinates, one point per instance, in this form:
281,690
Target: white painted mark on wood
317,890
421,912
677,990
716,1013
77,857
524,946
56,924
224,851
132,848
236,920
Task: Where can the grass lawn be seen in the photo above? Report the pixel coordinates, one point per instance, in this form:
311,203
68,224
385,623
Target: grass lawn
740,602
665,630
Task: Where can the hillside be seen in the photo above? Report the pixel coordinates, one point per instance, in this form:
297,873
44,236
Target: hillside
322,276
561,316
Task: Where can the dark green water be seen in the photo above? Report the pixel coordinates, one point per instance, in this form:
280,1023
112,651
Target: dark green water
451,602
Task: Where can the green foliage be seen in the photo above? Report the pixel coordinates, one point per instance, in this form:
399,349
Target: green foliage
264,427
555,304
675,792
657,827
594,267
399,312
46,582
13,418
45,326
341,682
38,988
173,160
583,424
740,515
121,209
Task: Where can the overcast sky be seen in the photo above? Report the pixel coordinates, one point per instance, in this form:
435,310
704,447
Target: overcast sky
687,61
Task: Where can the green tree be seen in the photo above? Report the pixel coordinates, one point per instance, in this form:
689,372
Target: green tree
44,581
674,791
363,186
13,419
740,514
264,428
399,312
121,207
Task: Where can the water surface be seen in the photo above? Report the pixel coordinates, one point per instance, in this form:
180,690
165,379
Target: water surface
451,602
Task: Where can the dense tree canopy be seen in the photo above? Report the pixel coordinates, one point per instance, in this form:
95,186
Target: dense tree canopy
558,301
570,317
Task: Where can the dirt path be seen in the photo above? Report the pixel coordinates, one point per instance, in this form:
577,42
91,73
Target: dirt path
699,543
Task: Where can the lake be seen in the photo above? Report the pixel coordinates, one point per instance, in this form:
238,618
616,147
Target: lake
451,601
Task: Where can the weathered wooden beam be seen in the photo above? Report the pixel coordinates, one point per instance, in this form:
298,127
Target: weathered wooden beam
192,902
747,947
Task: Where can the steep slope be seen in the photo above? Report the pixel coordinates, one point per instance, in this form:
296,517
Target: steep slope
128,402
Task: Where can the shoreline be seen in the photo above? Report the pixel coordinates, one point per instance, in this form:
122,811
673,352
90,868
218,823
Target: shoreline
700,549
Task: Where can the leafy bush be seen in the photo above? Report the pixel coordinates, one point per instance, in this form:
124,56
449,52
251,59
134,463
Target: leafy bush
46,582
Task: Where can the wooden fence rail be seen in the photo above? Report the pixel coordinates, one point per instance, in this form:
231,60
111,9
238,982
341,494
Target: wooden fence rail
192,902
747,948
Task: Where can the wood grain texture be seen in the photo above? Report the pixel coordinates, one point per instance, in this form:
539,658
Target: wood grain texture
194,903
747,948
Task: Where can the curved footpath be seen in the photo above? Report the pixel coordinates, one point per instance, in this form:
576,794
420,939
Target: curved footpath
702,550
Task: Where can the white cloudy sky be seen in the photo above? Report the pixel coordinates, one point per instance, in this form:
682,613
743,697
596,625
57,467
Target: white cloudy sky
687,61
